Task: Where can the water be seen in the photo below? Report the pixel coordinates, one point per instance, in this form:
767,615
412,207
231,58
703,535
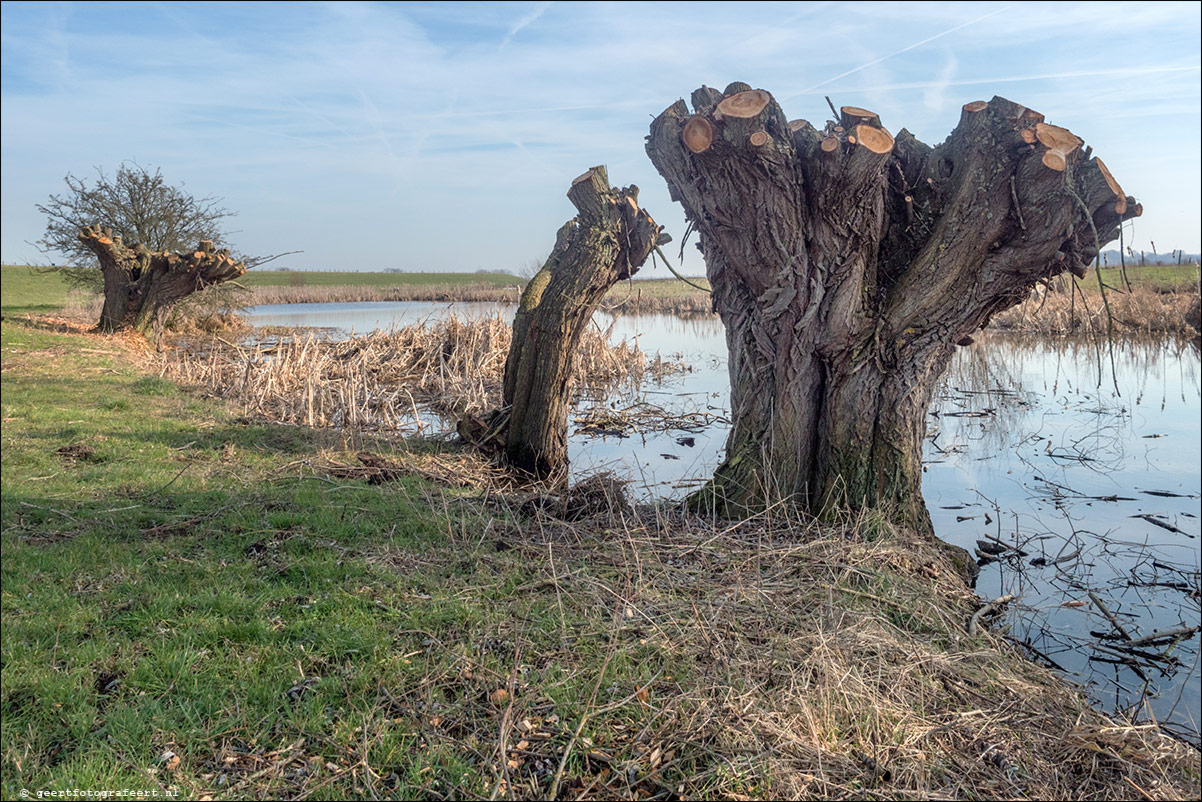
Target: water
1055,449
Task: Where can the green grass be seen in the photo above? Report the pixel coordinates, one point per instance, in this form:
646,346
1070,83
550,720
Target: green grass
174,579
1156,276
27,290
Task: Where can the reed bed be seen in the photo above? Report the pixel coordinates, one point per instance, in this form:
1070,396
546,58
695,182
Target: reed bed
392,379
82,305
1065,309
692,304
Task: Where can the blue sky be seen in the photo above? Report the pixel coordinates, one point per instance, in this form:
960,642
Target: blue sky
443,136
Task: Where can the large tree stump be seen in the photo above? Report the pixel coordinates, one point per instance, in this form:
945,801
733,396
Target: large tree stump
606,242
846,266
140,285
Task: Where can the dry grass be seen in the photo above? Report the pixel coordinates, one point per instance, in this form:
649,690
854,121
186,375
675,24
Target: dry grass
778,659
82,305
387,379
469,642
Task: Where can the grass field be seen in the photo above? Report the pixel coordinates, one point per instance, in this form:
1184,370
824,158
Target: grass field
1155,276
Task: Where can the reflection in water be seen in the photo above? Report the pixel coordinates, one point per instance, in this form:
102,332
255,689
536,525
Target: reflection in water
1079,469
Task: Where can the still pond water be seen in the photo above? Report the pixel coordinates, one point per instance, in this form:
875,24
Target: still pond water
1079,465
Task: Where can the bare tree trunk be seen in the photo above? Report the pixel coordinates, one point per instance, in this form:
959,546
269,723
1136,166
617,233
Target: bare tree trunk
847,266
606,242
139,286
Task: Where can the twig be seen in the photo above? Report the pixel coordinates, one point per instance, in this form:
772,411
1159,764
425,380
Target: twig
974,622
169,484
563,761
287,756
256,261
506,717
1114,621
1017,209
682,278
834,111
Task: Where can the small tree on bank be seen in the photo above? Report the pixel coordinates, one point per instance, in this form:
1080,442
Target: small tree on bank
847,265
146,244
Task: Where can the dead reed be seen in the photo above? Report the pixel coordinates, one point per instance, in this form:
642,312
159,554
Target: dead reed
1067,309
82,305
400,379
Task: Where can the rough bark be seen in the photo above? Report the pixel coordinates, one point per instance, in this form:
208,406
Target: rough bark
606,242
140,285
846,265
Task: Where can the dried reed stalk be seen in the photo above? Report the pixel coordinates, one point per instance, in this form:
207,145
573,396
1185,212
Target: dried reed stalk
386,379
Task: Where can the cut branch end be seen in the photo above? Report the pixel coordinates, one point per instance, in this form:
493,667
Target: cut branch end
877,140
745,104
698,134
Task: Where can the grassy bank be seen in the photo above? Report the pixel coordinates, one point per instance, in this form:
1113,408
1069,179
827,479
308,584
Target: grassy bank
199,603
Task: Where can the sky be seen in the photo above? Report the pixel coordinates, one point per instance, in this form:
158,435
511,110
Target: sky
444,136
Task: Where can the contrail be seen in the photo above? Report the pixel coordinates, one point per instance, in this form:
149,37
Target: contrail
903,50
524,21
1036,76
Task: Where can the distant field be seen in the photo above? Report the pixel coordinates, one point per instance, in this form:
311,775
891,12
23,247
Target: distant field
1166,276
24,290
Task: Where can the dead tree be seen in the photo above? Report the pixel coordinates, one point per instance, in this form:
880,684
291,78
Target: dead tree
606,242
847,265
140,285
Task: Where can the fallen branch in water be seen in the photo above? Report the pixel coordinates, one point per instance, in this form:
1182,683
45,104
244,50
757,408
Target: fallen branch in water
1180,633
974,622
1109,615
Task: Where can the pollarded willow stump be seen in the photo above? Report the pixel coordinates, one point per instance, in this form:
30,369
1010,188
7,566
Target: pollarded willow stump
140,285
847,265
606,242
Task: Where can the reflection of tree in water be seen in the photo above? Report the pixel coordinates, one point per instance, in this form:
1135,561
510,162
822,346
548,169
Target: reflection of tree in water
998,393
